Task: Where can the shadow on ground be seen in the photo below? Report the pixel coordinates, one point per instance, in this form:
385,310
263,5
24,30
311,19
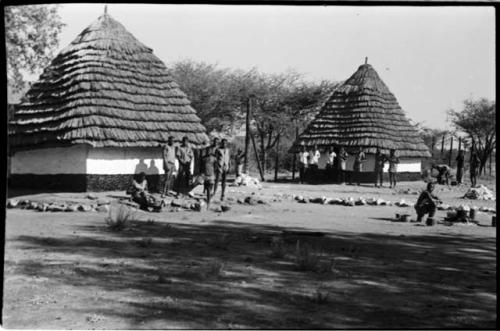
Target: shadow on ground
235,275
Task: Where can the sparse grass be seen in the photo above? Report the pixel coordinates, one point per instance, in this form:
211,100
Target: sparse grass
306,258
150,221
278,249
220,241
215,268
145,242
120,219
320,296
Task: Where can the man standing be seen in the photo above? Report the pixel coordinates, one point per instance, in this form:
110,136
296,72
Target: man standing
380,160
168,164
329,163
426,203
209,164
358,164
303,156
474,167
314,156
185,156
240,156
222,167
393,168
460,166
342,164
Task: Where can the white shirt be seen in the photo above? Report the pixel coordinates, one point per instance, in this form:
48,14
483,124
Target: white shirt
331,157
315,157
303,157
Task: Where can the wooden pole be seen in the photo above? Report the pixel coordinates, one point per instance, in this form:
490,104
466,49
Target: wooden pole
459,144
491,156
257,157
442,146
295,154
277,159
433,144
247,136
451,151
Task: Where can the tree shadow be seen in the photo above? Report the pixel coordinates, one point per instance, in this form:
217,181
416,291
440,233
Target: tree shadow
223,274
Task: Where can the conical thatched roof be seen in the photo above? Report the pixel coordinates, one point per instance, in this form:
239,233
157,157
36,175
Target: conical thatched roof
362,112
105,89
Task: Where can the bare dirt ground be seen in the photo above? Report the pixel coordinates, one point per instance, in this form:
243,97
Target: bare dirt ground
236,269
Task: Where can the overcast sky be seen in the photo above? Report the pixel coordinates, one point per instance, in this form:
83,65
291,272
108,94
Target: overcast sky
431,58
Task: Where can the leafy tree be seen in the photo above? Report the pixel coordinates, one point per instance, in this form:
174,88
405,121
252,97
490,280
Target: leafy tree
477,119
31,36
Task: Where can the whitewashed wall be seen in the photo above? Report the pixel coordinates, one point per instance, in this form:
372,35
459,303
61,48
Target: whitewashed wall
405,165
63,160
114,161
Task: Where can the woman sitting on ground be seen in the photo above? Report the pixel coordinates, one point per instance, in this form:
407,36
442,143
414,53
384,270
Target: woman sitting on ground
140,194
427,203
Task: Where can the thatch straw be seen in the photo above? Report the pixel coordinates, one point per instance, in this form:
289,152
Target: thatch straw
104,89
362,112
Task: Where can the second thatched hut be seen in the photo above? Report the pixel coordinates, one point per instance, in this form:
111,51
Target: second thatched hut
362,112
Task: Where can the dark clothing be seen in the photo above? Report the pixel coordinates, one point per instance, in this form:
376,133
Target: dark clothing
140,196
460,160
426,204
302,172
443,173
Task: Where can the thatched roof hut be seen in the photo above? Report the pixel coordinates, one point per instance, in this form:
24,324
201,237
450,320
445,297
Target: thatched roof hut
98,114
106,89
362,112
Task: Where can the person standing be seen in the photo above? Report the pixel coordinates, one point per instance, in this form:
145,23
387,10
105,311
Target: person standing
303,157
314,156
184,156
329,163
380,160
460,166
358,164
240,156
342,164
393,168
474,167
426,203
168,151
209,164
222,167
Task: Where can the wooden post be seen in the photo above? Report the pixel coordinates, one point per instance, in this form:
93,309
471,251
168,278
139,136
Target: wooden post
294,160
277,159
451,151
491,156
432,146
459,144
442,146
247,136
257,157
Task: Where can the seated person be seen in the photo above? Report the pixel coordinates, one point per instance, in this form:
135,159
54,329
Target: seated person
426,203
444,173
139,192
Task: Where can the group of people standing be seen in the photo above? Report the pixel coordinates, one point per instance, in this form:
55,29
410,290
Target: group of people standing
337,164
444,170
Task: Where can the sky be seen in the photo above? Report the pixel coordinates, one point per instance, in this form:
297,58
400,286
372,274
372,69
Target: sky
431,58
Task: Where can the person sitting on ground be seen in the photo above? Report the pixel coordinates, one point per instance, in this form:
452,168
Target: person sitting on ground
427,203
139,192
208,170
444,173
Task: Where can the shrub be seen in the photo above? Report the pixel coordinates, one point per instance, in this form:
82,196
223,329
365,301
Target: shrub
119,220
306,259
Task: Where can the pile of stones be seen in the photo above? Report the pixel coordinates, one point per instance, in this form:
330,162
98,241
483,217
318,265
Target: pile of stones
97,205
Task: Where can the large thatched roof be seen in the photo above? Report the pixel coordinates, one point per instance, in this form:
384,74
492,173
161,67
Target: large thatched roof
105,89
362,112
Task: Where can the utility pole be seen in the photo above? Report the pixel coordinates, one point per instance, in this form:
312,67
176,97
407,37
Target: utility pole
247,135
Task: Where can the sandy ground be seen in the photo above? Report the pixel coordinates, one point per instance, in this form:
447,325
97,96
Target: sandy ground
238,269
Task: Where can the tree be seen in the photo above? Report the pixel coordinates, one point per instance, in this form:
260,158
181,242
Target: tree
477,119
31,36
